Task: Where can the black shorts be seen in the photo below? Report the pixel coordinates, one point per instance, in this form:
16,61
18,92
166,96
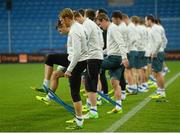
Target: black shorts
75,80
93,70
58,59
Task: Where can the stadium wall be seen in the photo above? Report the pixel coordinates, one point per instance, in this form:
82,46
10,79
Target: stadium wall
40,58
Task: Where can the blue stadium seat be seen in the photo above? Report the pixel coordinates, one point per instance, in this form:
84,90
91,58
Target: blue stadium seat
30,21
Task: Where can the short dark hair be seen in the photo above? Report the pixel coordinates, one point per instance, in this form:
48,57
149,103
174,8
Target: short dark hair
117,14
90,13
157,21
82,12
102,17
150,17
102,10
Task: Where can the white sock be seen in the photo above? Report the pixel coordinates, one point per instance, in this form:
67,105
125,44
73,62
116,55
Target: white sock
88,101
46,82
131,86
79,120
123,92
120,103
165,68
161,91
48,96
93,110
135,86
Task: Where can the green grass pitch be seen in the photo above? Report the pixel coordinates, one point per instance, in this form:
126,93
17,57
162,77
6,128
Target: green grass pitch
20,111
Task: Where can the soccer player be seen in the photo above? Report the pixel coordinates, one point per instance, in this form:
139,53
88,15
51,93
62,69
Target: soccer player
142,84
77,56
157,55
116,57
103,79
52,59
132,42
117,19
95,57
165,41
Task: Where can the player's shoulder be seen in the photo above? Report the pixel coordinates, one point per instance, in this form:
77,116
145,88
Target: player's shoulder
113,26
77,26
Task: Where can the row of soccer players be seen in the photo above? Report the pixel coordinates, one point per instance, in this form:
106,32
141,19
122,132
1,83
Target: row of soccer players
125,43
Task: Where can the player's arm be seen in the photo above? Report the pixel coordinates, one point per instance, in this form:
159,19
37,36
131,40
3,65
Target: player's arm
117,36
158,41
76,44
164,38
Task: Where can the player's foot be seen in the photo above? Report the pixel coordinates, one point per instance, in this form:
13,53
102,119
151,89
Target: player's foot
43,99
131,90
142,89
74,126
39,89
157,96
152,85
90,115
165,71
71,121
114,110
85,108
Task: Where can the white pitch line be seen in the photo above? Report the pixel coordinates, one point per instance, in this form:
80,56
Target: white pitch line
132,112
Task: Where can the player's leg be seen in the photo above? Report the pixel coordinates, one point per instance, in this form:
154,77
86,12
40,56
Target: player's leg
115,82
51,59
93,69
123,85
104,83
75,82
165,69
59,59
141,87
157,66
54,85
131,73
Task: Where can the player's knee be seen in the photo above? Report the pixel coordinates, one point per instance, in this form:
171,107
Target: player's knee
57,74
114,83
75,96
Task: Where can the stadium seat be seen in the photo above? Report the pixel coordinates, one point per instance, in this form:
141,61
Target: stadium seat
30,21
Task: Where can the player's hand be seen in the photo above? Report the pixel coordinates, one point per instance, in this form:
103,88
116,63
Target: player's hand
67,74
153,56
125,62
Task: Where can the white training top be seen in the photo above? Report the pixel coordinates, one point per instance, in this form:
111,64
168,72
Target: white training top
124,32
142,31
164,39
115,42
76,45
132,38
154,39
148,49
95,39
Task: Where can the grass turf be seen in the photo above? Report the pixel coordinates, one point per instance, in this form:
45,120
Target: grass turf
20,111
